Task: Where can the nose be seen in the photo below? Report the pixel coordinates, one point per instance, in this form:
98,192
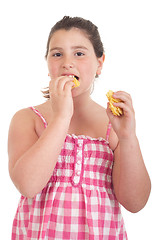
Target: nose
67,63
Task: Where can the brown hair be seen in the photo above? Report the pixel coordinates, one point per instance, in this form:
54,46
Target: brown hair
87,26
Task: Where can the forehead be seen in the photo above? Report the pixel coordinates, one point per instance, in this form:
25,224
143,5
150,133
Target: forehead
74,36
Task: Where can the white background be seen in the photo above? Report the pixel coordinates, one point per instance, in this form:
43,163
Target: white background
130,33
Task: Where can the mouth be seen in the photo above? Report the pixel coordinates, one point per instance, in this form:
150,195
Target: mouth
71,76
76,77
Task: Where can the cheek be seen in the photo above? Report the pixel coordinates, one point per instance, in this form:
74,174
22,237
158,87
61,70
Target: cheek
89,68
53,69
91,71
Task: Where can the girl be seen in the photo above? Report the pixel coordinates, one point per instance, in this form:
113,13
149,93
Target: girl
73,161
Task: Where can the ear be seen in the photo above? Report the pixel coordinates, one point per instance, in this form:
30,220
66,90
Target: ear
100,64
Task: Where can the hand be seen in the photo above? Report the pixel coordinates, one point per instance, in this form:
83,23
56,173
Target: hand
123,125
61,96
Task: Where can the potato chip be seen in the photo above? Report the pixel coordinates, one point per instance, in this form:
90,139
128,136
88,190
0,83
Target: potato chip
76,82
117,111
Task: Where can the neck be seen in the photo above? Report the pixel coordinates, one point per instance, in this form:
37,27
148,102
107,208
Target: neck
81,105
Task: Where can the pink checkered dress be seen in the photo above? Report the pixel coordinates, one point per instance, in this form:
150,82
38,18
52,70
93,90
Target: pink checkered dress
78,202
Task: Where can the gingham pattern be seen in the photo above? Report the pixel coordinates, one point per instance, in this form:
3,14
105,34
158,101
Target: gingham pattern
78,202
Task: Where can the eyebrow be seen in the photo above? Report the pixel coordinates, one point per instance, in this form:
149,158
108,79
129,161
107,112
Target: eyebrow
74,47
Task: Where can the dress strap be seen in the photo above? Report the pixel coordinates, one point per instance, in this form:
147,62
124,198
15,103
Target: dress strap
108,131
40,115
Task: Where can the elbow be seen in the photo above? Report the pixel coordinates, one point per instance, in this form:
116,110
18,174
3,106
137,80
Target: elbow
25,184
135,203
134,200
134,207
24,189
26,192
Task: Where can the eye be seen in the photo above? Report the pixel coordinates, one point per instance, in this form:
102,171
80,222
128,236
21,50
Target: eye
79,54
58,54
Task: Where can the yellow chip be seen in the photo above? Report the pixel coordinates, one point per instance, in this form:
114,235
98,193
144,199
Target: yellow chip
115,110
76,82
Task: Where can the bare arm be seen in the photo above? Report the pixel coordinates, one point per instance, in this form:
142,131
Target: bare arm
130,178
32,159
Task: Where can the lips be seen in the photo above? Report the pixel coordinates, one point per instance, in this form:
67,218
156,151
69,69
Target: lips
71,75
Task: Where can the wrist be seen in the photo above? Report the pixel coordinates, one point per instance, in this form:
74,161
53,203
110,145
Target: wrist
62,120
126,134
130,139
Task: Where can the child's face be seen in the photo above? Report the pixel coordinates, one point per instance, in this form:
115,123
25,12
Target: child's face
72,53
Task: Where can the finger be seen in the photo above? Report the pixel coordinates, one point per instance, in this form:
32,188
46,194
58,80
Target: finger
68,87
63,83
124,97
57,85
55,81
53,85
125,107
51,88
122,92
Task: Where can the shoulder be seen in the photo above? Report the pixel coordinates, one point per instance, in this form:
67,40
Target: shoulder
26,119
22,116
21,123
25,115
21,135
25,128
